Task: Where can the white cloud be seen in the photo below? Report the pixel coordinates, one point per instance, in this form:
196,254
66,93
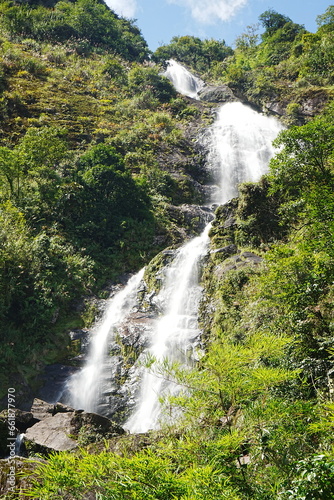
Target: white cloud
125,8
210,11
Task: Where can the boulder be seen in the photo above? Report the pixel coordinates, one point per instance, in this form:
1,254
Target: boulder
217,94
41,409
22,419
52,433
252,257
66,431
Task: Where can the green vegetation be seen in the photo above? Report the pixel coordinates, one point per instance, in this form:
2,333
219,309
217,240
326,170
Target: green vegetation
201,55
87,174
88,24
284,69
90,174
257,410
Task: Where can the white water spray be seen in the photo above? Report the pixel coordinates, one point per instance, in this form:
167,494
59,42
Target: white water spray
176,330
240,147
184,81
86,386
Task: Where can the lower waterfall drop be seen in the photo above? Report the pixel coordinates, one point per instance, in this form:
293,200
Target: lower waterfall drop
176,331
86,386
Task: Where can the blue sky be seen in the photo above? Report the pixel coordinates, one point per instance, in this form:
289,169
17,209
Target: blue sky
160,20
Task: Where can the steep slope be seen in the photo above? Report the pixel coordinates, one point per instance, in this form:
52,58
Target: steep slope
96,164
285,70
256,414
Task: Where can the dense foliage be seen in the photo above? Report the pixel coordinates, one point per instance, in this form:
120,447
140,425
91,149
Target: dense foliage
201,55
87,23
85,192
83,198
282,69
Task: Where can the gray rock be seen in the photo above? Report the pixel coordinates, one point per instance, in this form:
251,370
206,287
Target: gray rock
231,221
23,419
41,409
252,257
77,334
53,433
60,432
276,107
53,380
217,94
228,250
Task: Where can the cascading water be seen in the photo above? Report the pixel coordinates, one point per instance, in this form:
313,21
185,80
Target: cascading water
184,81
86,386
239,145
176,331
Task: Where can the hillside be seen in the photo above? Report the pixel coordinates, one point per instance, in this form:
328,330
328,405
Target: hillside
100,171
285,70
80,116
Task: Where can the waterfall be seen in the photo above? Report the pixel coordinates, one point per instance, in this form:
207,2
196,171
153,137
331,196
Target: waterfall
184,81
86,387
176,331
19,445
240,146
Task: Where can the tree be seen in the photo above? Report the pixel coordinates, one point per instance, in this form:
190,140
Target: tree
10,171
272,21
305,158
326,21
249,39
199,54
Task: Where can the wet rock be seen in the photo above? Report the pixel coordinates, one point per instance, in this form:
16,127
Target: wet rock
136,330
53,381
217,94
228,250
192,217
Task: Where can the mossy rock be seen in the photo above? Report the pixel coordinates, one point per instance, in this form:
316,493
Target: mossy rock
153,276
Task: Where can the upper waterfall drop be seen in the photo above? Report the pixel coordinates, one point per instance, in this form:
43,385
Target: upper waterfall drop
184,81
